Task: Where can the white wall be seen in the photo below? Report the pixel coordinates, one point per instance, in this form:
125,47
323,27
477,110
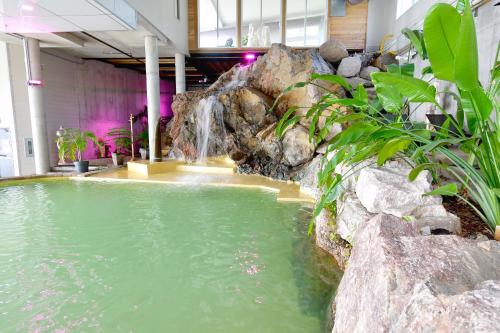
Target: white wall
161,14
382,20
9,165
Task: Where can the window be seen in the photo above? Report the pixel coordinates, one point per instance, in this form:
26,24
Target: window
306,22
404,5
260,22
217,23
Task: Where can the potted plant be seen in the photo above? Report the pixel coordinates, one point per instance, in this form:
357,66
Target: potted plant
144,141
123,142
101,148
72,143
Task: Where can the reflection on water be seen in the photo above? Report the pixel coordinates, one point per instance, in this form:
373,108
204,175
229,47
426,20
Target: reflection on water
103,257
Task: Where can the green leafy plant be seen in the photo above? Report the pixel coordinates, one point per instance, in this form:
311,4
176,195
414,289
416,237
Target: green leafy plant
449,42
144,138
73,142
121,138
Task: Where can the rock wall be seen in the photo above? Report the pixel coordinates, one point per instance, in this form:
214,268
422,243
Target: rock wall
399,280
246,95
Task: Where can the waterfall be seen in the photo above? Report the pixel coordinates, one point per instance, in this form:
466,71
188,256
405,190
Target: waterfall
207,109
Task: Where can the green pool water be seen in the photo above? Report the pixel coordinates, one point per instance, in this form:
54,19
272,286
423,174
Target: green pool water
108,257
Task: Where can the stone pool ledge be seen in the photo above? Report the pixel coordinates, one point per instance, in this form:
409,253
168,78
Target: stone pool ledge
407,269
218,173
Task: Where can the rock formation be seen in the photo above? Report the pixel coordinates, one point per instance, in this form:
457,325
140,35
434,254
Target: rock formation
246,95
400,281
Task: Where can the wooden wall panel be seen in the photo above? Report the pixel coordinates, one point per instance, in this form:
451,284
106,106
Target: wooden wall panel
350,29
193,24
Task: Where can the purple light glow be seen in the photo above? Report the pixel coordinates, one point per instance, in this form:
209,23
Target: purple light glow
250,56
34,82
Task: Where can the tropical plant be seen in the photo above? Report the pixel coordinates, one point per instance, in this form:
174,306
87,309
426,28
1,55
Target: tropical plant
73,142
121,138
144,139
449,42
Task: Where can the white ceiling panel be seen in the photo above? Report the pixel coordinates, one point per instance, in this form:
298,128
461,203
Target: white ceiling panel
21,8
69,7
30,24
95,23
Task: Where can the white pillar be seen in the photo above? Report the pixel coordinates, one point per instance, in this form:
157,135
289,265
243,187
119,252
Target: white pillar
153,92
180,73
37,113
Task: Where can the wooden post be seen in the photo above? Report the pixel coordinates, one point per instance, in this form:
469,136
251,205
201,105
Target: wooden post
131,119
497,233
283,22
238,24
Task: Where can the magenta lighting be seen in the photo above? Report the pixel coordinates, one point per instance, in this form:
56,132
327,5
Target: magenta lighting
250,56
34,82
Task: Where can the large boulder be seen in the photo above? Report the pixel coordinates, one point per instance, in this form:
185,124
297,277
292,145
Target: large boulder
349,67
388,190
297,149
400,281
333,51
282,67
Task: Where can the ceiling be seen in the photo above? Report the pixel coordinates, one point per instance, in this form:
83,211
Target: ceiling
201,68
44,16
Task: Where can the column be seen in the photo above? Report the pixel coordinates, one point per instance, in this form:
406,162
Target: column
37,113
153,93
180,73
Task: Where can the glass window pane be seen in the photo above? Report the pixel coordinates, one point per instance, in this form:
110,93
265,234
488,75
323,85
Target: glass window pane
207,23
217,23
295,19
262,19
227,23
306,22
316,22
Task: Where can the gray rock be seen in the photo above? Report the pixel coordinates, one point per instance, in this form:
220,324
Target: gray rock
328,241
388,190
269,143
399,281
367,71
322,148
333,50
385,60
308,178
351,215
430,310
356,81
349,67
297,149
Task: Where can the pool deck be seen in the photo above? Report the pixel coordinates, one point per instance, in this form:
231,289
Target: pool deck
220,172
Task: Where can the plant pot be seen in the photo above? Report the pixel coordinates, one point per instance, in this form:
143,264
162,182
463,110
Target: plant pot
117,159
144,153
497,233
82,166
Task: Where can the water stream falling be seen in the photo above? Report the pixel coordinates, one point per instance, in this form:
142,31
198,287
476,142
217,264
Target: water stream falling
209,117
209,109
